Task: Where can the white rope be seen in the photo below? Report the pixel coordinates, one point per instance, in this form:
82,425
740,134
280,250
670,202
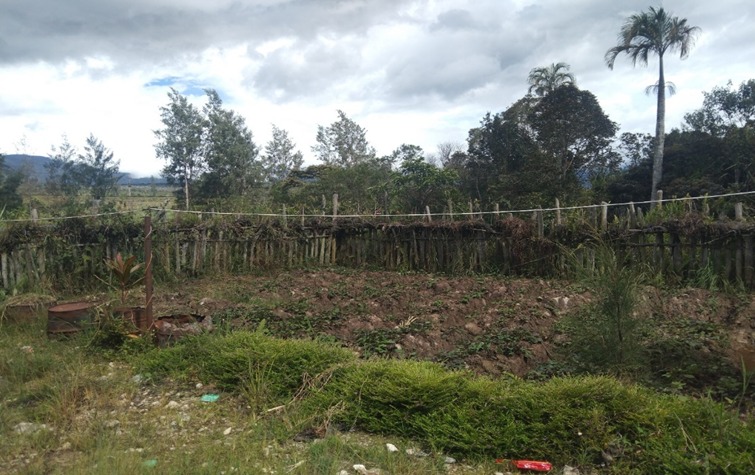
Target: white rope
473,213
372,216
62,218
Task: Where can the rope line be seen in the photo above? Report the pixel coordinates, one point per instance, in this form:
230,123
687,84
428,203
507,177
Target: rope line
365,216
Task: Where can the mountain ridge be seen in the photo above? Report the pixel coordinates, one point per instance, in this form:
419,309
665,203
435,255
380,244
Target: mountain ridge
33,166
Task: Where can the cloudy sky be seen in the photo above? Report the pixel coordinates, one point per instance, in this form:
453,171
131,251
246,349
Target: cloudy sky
420,72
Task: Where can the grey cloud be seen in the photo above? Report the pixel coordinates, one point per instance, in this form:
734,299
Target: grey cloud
316,67
54,30
454,20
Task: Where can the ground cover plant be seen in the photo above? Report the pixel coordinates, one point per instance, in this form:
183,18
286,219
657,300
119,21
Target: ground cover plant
288,361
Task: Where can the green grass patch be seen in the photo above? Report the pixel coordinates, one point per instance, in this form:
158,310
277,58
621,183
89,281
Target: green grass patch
564,420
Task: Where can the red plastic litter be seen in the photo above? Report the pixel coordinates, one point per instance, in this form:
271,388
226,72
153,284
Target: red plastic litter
533,465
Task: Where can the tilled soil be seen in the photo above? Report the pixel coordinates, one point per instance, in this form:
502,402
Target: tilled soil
488,324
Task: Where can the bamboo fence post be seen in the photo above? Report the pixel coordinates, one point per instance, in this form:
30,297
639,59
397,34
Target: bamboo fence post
335,205
739,258
497,211
302,215
659,200
34,214
285,219
4,263
471,211
148,284
706,209
558,212
427,213
632,214
603,215
749,264
738,211
676,252
178,255
540,223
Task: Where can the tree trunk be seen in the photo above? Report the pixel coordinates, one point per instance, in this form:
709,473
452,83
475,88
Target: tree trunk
660,134
186,188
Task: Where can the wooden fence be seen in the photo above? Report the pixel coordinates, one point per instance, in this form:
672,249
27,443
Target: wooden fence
71,253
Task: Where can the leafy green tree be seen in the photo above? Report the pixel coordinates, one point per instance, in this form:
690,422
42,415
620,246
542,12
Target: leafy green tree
729,114
724,109
688,168
654,32
635,148
229,153
343,143
573,131
501,153
545,80
280,157
10,199
361,188
418,184
98,170
63,171
540,149
180,143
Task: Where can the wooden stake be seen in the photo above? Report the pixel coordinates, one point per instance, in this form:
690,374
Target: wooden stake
632,215
558,212
148,284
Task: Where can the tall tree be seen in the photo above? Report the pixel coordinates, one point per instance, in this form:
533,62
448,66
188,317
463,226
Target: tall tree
180,142
548,78
343,143
654,32
98,168
229,151
574,132
280,157
63,171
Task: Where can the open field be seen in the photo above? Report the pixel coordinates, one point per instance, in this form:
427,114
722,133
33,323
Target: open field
91,409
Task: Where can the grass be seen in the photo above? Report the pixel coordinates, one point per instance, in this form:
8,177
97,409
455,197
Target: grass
565,420
122,411
98,419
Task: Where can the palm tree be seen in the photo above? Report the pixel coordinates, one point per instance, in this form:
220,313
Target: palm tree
644,34
546,79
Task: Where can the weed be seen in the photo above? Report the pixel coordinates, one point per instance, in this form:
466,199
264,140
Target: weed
384,341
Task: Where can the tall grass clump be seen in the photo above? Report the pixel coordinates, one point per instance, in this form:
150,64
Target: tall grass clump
251,360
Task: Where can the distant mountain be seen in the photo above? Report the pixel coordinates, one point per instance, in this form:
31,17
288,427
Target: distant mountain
33,166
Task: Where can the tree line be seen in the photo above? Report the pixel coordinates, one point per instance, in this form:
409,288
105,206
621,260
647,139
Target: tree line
554,142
